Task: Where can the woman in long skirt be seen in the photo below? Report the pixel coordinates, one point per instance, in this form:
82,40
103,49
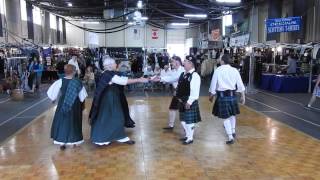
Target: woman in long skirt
107,117
67,122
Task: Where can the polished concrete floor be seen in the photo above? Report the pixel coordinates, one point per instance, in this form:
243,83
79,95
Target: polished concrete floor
265,149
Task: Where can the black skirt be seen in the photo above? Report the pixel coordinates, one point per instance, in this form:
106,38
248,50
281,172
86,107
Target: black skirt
174,105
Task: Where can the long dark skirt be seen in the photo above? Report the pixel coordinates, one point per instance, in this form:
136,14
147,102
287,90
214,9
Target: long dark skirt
109,123
67,127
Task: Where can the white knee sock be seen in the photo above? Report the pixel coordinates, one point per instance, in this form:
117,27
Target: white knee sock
233,123
184,128
172,117
228,128
190,129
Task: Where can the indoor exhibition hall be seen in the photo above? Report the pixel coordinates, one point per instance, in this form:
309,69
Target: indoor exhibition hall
159,89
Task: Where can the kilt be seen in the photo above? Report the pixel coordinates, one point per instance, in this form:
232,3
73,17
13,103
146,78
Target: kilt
174,105
317,91
225,107
191,115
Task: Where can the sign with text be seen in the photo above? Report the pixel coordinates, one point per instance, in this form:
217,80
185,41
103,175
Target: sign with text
279,25
238,41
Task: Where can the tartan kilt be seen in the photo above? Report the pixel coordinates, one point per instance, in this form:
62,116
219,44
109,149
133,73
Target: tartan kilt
225,107
317,91
191,115
174,105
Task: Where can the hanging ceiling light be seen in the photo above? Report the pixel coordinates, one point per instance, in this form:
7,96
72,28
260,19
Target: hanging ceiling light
180,24
229,1
89,22
196,15
70,4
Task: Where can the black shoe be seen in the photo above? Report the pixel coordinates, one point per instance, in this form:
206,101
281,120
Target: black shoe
187,142
168,128
234,135
183,139
130,142
63,147
307,107
230,142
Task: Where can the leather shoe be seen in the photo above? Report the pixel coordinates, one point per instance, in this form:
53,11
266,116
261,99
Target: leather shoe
183,139
130,142
168,128
187,142
230,141
63,147
234,135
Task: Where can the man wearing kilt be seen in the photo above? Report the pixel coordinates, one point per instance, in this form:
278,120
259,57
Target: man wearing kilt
188,90
172,78
226,81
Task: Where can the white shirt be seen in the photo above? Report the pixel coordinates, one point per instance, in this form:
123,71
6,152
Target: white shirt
121,80
75,63
173,76
54,90
225,78
195,84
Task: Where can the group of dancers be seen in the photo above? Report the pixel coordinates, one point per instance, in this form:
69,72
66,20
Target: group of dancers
109,114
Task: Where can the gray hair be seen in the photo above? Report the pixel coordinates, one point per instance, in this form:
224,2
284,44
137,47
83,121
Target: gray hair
108,62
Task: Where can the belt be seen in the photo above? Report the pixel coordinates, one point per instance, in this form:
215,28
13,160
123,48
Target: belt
227,93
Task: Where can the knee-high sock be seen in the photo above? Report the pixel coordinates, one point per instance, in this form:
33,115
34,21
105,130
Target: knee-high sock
184,128
172,117
190,129
228,128
233,123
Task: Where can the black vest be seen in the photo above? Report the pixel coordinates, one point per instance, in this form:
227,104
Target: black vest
183,89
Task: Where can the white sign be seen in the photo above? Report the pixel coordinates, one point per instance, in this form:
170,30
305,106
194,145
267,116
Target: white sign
239,40
93,38
155,33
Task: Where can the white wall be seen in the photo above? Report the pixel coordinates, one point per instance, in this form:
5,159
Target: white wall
136,36
75,36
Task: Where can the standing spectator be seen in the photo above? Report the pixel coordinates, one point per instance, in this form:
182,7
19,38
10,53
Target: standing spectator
60,68
38,71
74,61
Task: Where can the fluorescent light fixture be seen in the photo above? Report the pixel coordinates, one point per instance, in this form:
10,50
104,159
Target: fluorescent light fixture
89,22
70,4
229,1
196,15
144,18
226,12
180,24
132,23
139,4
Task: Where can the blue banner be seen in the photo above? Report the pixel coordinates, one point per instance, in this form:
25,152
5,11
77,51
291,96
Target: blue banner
279,25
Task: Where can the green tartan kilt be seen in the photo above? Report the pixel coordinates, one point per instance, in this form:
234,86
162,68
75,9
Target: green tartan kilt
225,107
191,115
